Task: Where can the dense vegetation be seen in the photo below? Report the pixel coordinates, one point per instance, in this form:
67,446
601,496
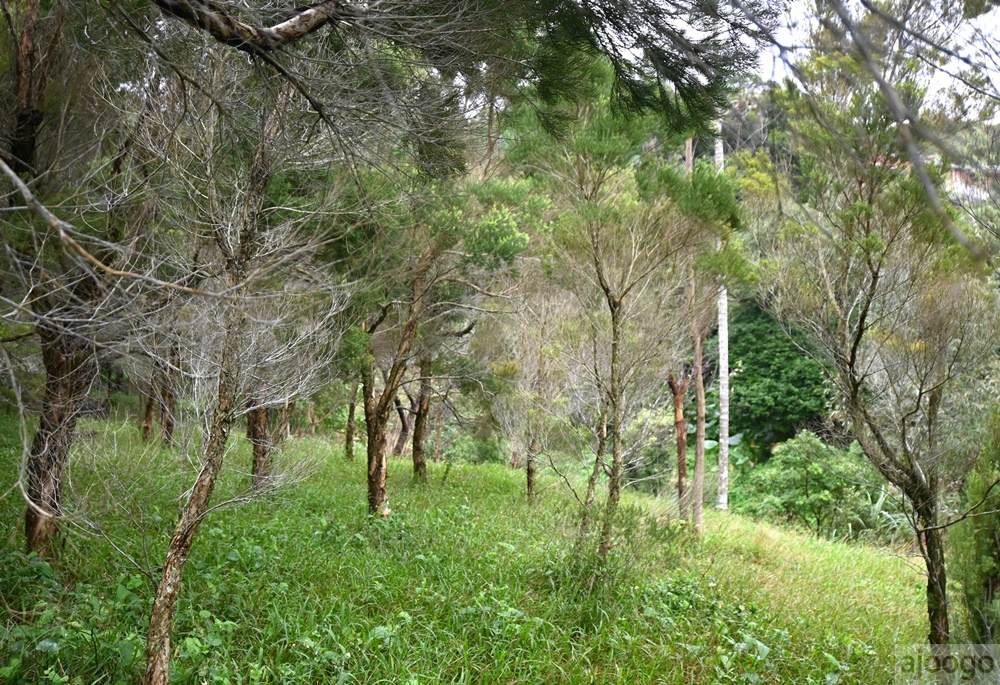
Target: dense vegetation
256,257
463,583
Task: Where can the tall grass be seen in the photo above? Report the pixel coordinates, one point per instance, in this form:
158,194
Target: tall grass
463,583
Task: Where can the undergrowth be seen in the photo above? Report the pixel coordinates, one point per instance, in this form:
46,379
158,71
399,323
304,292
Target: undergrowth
463,583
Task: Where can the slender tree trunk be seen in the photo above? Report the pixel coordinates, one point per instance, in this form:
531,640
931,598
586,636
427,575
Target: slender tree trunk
352,405
165,602
698,489
440,433
147,414
531,473
311,416
376,420
27,117
161,618
283,431
932,548
168,413
678,391
260,440
595,473
68,370
617,416
404,425
420,419
379,409
932,544
169,385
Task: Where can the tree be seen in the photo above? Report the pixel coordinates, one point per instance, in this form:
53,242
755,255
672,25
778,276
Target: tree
51,143
781,388
617,240
270,309
897,310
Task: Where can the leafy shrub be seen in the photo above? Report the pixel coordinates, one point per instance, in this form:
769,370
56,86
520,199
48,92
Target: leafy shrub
976,543
777,387
476,449
831,492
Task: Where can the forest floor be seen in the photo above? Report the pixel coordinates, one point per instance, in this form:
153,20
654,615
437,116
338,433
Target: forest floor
464,582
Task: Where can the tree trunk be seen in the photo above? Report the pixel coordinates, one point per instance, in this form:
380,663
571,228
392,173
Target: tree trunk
678,390
27,117
421,416
378,410
439,439
168,413
283,431
530,470
161,619
147,415
698,489
67,370
260,440
932,548
595,474
165,602
168,394
404,425
352,405
617,416
376,420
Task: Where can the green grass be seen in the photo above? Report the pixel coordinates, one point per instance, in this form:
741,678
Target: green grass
463,583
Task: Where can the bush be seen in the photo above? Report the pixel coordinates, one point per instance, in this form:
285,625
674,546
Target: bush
831,492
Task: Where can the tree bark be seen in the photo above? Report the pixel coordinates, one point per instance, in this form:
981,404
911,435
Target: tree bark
147,415
165,602
27,117
932,549
260,441
68,371
376,421
615,399
420,419
698,487
404,425
221,24
168,414
379,409
678,390
283,429
531,474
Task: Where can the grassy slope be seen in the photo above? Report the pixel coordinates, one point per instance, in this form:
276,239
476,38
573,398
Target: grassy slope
464,583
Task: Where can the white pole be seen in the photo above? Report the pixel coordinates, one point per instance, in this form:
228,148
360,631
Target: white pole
722,502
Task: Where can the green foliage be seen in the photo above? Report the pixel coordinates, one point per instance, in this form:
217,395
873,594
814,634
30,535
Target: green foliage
976,542
462,582
705,194
355,350
776,387
495,241
828,491
472,448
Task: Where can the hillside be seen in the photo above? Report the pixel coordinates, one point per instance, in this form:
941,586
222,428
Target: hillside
463,583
